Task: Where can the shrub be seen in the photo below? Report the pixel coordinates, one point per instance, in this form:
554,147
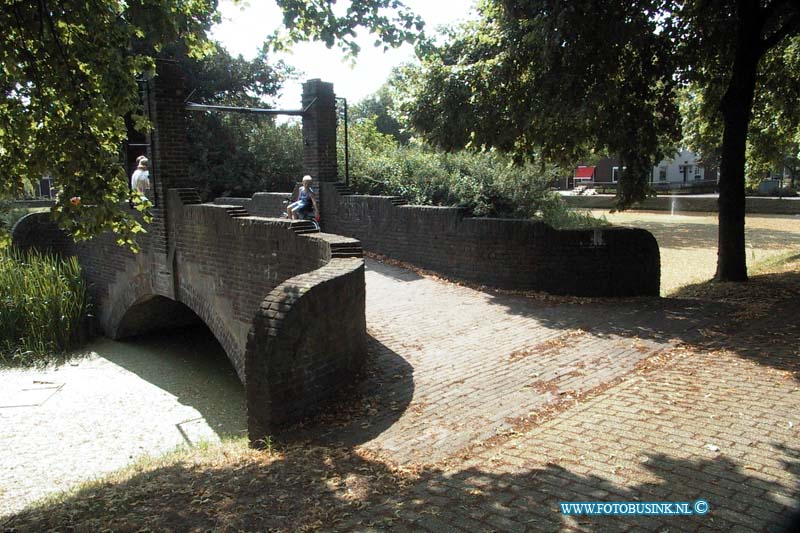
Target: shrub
237,155
9,214
484,183
44,303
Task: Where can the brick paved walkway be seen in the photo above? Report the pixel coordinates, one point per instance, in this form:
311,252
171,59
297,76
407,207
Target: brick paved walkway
712,427
454,365
519,404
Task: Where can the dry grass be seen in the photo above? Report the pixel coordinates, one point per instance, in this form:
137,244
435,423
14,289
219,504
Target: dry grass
225,487
688,242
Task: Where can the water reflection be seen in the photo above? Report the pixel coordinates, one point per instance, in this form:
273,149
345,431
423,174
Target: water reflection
191,365
93,415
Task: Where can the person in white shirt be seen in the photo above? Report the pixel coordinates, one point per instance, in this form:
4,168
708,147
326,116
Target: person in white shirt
140,180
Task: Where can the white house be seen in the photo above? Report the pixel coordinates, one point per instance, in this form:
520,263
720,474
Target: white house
684,168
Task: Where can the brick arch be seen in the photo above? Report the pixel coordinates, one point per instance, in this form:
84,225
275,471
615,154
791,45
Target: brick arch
154,312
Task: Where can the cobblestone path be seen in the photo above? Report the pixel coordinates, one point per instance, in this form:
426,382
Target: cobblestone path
517,404
454,365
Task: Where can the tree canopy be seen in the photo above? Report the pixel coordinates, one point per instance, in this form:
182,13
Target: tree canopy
773,141
554,80
559,80
68,78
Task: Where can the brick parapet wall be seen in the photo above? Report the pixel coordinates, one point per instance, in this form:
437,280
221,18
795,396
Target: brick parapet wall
224,265
503,253
263,204
228,263
307,339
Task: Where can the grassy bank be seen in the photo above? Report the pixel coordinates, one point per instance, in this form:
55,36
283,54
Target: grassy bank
45,306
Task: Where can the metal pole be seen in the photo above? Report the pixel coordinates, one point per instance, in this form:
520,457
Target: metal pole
346,148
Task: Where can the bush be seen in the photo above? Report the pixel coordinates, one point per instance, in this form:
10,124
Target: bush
237,155
486,184
44,303
9,214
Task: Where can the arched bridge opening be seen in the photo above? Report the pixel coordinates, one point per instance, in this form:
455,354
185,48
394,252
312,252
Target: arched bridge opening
168,346
154,313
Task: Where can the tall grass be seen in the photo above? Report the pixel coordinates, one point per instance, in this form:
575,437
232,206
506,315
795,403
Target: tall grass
44,305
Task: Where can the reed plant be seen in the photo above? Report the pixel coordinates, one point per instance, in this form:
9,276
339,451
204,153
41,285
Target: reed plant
44,305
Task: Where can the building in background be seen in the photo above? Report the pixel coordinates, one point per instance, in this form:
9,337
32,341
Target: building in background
44,188
684,171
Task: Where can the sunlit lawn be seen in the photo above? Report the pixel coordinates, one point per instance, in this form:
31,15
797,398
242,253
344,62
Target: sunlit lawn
688,242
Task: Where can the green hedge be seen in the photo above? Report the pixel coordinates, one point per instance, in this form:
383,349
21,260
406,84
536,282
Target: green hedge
45,305
485,183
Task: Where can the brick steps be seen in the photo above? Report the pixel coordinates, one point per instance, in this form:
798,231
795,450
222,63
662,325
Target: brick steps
348,249
188,196
236,212
302,227
342,189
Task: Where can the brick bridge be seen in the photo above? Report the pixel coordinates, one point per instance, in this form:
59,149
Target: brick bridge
287,302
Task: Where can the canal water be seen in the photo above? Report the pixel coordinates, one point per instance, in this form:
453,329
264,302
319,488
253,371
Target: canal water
117,402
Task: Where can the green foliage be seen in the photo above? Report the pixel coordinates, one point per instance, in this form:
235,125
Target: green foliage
235,154
559,79
773,141
555,80
45,305
484,183
68,75
392,23
384,108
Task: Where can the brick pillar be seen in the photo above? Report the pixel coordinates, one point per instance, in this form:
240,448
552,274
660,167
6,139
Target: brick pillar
169,166
168,113
319,131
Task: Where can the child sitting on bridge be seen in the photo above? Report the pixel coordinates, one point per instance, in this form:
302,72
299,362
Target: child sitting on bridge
305,199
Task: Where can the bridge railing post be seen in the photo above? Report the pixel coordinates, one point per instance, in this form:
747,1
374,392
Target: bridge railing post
319,133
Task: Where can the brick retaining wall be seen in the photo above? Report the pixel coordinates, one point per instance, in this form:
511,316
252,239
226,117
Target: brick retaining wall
513,254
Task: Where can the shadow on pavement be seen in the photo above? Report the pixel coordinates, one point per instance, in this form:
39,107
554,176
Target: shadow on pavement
305,488
364,411
757,320
395,273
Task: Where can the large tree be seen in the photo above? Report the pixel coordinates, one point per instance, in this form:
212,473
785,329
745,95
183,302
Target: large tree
560,79
68,76
773,140
732,48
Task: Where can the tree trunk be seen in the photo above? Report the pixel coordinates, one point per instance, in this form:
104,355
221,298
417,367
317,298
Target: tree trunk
736,109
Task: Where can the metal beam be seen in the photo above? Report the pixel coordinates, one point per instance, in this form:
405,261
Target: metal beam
191,106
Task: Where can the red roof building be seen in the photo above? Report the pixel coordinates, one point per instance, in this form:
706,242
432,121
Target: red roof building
584,173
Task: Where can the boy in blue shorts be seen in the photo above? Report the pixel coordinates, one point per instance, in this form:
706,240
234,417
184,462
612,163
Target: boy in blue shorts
305,200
